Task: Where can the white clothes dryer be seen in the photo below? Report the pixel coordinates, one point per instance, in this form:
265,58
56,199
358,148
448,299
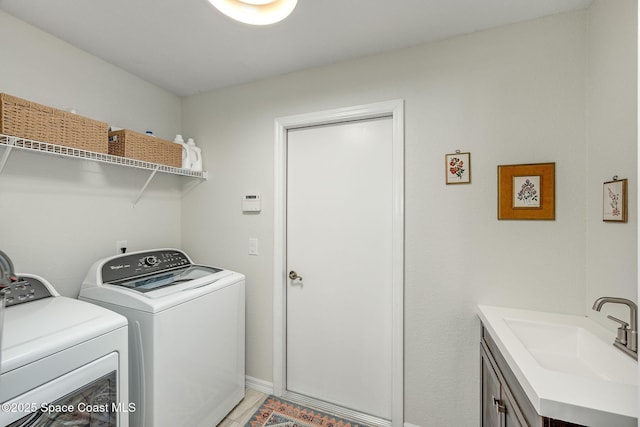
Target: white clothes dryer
186,334
64,361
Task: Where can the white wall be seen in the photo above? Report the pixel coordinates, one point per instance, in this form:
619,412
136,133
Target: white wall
516,94
510,95
57,216
612,268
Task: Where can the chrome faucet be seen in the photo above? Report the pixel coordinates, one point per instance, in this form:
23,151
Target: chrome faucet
627,339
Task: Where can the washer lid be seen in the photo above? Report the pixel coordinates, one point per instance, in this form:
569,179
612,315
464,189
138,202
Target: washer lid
38,329
163,279
122,299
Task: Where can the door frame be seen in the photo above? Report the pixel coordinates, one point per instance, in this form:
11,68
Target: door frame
395,110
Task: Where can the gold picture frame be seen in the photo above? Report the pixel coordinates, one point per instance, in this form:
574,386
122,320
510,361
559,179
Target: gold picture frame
527,191
457,168
614,200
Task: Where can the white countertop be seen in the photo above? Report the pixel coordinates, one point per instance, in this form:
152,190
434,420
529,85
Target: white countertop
565,392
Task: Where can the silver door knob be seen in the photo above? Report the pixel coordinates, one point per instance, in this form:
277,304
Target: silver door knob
294,276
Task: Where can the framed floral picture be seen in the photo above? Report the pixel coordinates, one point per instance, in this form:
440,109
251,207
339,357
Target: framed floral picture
614,201
527,191
458,168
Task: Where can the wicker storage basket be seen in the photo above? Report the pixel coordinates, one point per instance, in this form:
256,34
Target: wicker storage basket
84,133
30,120
134,145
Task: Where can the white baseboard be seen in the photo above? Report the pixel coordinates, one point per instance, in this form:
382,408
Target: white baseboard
258,385
410,425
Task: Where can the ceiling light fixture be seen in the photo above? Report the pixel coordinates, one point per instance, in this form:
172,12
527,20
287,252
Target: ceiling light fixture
256,12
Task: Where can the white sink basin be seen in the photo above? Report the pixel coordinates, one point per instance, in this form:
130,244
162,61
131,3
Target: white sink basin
567,365
574,350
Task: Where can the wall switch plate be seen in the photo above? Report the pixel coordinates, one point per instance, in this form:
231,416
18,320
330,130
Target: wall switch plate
253,246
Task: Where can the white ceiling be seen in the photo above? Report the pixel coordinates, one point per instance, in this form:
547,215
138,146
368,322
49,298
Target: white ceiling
187,46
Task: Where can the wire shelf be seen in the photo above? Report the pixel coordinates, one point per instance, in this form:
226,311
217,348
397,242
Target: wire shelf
63,151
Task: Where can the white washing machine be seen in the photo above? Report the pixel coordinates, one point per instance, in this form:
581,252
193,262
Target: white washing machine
64,361
186,334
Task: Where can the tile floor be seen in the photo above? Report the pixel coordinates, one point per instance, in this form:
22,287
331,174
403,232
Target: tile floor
242,413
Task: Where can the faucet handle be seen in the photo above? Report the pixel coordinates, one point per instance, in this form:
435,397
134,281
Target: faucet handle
624,325
623,330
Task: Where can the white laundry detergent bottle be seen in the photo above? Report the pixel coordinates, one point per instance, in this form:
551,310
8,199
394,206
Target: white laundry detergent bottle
195,155
186,152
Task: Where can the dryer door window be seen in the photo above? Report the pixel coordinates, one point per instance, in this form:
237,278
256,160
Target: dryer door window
87,396
92,405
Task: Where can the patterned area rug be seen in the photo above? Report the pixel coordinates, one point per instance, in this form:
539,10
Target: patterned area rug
276,412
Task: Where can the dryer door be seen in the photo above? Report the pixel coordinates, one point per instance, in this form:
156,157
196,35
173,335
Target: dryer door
86,396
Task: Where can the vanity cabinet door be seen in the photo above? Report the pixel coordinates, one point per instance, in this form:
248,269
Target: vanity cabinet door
491,415
512,415
499,406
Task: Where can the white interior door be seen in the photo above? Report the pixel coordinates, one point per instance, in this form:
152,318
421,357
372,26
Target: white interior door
339,223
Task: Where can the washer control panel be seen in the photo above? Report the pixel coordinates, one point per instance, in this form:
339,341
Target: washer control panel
142,263
26,289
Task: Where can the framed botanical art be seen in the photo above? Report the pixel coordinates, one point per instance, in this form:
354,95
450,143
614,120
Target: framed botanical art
614,200
458,168
527,191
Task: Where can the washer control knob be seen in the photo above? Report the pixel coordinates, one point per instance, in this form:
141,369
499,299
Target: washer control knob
151,261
